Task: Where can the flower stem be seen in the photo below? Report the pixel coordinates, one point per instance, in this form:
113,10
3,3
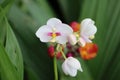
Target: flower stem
63,54
59,48
55,68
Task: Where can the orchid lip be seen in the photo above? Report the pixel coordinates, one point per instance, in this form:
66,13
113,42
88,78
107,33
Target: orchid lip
56,33
53,35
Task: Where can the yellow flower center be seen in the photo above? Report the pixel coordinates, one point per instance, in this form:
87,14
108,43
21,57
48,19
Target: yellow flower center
54,35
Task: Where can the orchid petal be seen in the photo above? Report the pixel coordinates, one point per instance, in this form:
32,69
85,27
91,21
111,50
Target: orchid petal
65,68
73,63
81,42
69,70
88,28
80,69
70,66
42,33
87,21
61,39
86,39
72,72
65,30
53,22
72,39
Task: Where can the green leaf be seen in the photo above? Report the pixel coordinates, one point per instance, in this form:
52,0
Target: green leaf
2,31
5,5
40,11
106,15
34,52
11,58
7,69
70,9
13,48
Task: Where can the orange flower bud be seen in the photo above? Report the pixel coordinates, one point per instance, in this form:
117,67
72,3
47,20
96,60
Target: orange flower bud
75,26
89,51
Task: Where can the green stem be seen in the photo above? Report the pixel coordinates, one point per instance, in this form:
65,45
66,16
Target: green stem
55,68
63,54
59,48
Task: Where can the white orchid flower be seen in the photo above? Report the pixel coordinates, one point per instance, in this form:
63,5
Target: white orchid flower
70,66
54,31
87,31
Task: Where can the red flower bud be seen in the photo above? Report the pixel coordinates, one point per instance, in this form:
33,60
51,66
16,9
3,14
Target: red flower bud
51,51
70,54
75,26
58,55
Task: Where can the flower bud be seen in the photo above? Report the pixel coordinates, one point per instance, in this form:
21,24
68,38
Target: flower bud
70,54
69,46
51,51
75,26
58,55
89,51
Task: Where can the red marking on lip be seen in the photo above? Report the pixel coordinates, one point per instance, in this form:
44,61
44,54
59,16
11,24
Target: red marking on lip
57,33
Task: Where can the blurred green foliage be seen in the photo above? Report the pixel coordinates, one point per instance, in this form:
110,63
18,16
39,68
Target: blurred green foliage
24,57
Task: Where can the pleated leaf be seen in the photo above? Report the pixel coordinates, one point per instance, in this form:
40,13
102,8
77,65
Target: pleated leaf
11,59
106,15
37,63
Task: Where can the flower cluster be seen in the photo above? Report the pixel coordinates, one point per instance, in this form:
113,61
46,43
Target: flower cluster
74,38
